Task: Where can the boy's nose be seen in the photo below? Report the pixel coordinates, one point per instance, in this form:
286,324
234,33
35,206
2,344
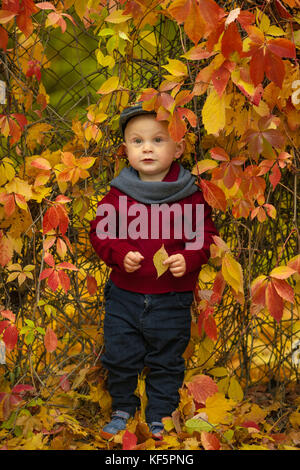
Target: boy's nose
147,147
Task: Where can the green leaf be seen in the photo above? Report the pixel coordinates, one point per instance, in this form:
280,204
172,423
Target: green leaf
29,338
198,424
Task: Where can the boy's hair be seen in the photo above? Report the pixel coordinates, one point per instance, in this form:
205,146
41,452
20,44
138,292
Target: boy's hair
131,112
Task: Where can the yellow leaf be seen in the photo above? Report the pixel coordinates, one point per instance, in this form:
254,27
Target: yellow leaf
235,390
176,68
204,165
158,258
282,272
219,372
217,408
7,171
213,113
117,17
232,273
295,419
19,186
109,86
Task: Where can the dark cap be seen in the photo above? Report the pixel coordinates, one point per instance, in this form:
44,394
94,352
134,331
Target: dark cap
131,112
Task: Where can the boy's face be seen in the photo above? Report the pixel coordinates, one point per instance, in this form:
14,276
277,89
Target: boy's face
149,147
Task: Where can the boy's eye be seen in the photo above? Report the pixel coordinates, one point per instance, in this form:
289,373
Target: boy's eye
137,140
158,139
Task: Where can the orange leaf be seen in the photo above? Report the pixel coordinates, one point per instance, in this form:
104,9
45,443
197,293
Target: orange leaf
213,195
91,284
41,163
50,340
177,127
201,387
6,16
210,441
284,290
194,25
6,250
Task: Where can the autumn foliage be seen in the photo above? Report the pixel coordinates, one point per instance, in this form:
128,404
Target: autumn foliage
227,80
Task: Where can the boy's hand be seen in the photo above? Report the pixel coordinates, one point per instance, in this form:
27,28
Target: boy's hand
132,261
176,264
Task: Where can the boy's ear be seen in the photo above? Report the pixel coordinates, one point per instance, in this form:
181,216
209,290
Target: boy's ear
180,147
122,149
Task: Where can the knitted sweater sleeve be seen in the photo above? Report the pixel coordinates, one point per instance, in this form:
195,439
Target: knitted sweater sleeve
108,246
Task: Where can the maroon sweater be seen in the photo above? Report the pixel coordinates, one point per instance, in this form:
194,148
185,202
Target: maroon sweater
144,280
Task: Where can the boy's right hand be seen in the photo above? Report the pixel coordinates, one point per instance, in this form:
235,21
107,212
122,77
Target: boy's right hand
132,261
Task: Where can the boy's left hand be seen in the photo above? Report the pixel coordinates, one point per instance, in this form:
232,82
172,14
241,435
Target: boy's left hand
176,264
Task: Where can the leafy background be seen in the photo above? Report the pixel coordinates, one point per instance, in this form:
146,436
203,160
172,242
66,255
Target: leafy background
226,77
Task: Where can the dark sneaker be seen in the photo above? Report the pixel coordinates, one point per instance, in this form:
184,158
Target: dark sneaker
118,423
156,428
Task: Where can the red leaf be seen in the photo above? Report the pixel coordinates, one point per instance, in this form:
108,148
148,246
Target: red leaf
53,280
217,153
3,38
275,176
210,441
10,337
282,10
66,265
50,340
64,280
22,388
257,66
201,387
129,440
50,220
282,47
63,218
274,68
231,41
49,259
3,325
91,285
250,424
46,273
274,302
210,328
220,79
65,383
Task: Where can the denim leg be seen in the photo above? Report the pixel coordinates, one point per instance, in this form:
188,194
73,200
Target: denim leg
124,347
167,333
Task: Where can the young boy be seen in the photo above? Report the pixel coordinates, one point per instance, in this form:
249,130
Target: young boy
153,202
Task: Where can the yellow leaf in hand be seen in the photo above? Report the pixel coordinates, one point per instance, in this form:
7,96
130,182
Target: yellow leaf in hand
159,257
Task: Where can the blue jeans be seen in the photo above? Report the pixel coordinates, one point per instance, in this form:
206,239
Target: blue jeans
145,330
